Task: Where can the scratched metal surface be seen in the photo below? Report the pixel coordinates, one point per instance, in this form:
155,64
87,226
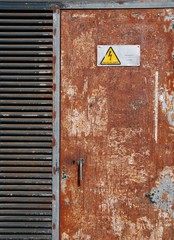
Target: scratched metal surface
121,121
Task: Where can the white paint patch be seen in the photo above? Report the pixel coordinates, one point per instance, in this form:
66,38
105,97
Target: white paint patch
143,225
117,224
90,118
65,236
157,233
67,201
156,107
76,15
78,123
121,156
167,105
165,216
168,18
170,118
163,194
84,50
80,235
138,15
63,181
85,88
71,91
68,89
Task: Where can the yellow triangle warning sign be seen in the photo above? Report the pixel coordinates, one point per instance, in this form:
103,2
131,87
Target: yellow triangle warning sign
110,58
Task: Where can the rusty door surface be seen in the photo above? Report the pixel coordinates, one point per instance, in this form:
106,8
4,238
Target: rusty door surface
120,120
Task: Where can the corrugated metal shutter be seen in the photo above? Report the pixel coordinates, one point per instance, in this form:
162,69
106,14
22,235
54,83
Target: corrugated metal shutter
26,81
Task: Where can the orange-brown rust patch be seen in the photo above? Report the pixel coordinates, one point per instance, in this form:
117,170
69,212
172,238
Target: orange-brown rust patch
54,60
54,115
54,226
121,2
55,8
54,31
53,141
54,170
54,197
54,87
165,196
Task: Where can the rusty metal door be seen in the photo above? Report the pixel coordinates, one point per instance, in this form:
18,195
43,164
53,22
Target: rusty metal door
28,123
120,120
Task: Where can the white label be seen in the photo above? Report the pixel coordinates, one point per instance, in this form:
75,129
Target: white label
118,55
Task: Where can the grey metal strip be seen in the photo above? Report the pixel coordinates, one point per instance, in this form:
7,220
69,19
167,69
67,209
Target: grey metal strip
83,4
111,5
56,122
27,5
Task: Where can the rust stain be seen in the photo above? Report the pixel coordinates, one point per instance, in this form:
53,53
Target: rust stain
54,65
54,87
55,7
54,60
121,2
53,141
54,115
54,32
54,197
54,170
54,226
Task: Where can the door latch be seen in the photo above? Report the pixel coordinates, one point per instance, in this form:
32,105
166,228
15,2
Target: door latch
80,163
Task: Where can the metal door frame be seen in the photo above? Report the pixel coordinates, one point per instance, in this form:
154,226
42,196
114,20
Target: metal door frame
56,6
56,124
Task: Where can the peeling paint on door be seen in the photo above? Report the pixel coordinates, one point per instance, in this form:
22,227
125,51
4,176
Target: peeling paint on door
120,121
162,196
167,105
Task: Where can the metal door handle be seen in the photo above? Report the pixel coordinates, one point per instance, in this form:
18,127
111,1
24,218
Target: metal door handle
80,163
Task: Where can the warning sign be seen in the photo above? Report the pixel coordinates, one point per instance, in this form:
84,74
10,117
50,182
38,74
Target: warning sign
118,55
110,58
